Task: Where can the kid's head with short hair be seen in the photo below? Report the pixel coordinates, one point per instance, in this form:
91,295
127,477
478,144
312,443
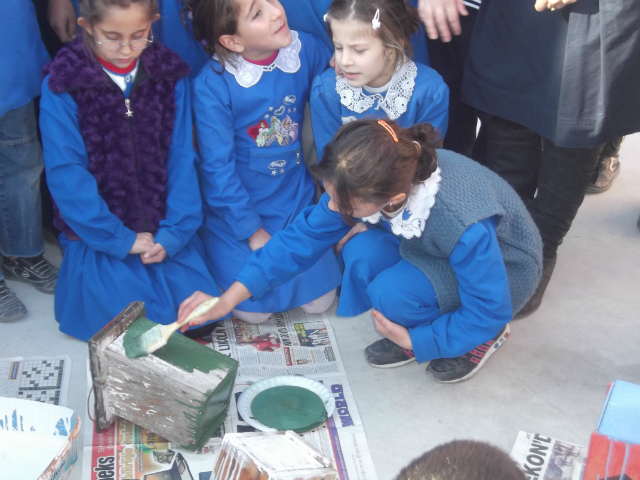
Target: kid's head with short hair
463,460
397,22
373,161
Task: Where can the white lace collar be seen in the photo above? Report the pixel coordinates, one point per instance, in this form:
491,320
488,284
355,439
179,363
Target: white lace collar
394,102
248,74
410,221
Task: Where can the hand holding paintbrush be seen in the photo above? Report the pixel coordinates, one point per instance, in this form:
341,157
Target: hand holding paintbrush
236,294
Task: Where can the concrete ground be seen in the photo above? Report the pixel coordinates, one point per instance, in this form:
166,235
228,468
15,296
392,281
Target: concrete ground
550,377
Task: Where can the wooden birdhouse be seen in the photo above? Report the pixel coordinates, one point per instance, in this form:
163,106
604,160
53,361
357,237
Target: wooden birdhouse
270,456
180,392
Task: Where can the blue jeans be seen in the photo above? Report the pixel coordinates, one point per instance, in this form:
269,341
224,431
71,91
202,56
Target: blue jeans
21,165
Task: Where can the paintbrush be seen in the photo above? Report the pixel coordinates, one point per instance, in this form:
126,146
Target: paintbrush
158,336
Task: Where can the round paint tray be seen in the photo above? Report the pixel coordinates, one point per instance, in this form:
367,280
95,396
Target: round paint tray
286,403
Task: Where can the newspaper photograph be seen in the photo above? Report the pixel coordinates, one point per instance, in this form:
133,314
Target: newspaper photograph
291,343
545,458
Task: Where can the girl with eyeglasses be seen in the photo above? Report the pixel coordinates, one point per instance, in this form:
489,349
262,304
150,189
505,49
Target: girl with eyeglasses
120,162
450,253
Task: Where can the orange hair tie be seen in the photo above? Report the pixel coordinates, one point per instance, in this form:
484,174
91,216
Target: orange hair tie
389,129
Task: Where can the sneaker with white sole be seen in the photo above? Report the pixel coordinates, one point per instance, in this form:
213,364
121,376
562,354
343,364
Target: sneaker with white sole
386,354
11,308
459,369
36,271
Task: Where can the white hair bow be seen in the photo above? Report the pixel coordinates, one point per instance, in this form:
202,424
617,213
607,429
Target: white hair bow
325,18
375,23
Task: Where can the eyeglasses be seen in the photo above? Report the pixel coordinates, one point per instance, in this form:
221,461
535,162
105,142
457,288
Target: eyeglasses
113,45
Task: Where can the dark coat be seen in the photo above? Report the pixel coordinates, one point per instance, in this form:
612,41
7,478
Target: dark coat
571,75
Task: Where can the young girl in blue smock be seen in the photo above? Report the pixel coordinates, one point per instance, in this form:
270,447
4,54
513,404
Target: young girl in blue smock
376,79
445,255
249,106
117,134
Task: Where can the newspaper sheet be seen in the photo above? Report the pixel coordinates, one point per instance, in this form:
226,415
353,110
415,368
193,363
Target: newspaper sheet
42,379
545,458
291,343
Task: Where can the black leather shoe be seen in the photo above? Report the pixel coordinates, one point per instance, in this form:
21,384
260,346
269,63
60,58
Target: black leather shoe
609,169
548,264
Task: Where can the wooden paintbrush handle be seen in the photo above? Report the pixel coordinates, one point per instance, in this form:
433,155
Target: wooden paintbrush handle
201,309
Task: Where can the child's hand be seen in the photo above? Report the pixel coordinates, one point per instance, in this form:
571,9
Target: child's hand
155,254
394,332
335,66
144,242
259,239
187,306
357,228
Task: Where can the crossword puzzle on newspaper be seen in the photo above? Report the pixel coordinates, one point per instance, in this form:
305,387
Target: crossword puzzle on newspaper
37,379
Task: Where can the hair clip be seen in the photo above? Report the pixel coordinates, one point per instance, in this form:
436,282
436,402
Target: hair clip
325,18
375,23
389,129
418,147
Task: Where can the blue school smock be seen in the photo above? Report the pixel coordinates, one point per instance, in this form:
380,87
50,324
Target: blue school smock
419,95
98,277
252,174
22,56
302,15
476,261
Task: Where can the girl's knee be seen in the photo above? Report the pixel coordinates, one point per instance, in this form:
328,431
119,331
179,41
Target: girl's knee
321,304
251,317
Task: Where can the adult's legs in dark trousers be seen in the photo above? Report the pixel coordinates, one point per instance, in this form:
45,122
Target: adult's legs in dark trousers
448,60
551,180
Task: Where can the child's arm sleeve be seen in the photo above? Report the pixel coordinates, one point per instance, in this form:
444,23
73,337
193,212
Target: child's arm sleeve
221,186
320,57
72,186
184,205
293,250
434,100
484,294
325,112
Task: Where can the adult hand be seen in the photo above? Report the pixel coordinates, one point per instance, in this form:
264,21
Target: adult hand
144,242
394,332
442,17
259,239
155,254
62,18
542,5
357,228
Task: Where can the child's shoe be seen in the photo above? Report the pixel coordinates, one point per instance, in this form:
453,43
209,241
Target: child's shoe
386,354
35,271
459,369
10,307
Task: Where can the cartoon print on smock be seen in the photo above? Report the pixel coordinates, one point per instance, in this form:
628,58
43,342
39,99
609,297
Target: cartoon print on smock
276,126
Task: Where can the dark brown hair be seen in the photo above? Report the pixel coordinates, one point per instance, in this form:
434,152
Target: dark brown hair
462,460
93,12
364,161
398,21
211,20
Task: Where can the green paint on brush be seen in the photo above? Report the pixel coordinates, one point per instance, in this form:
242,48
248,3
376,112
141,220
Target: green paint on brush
288,407
210,410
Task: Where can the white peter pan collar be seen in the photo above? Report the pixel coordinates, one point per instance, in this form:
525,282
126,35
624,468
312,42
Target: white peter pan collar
248,74
410,221
393,103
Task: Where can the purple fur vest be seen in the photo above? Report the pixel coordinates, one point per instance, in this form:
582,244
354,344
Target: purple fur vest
127,154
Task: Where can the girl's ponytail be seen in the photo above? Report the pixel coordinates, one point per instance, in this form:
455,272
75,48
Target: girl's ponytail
427,139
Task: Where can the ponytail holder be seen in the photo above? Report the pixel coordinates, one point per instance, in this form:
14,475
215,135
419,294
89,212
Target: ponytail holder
389,129
375,23
418,147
